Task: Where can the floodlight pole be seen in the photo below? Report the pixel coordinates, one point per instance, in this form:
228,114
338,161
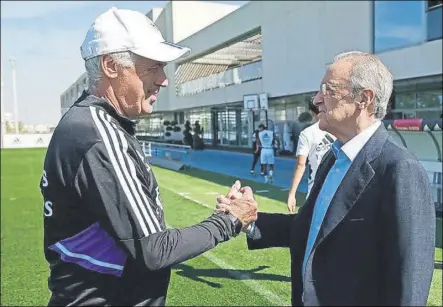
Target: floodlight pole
14,93
2,110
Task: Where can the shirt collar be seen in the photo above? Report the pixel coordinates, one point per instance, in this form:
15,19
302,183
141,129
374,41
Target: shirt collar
87,99
354,145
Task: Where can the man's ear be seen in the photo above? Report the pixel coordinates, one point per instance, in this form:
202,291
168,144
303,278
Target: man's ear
366,98
109,67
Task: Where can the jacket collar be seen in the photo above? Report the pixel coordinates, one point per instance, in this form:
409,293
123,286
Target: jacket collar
87,99
355,145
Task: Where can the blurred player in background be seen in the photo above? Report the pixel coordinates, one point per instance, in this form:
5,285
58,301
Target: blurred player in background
313,143
266,143
255,151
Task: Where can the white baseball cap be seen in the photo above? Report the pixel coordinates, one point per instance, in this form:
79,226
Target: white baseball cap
119,30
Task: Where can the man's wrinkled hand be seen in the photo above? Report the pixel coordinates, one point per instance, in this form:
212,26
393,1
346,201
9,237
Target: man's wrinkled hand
234,193
244,208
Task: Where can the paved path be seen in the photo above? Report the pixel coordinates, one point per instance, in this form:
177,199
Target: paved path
238,165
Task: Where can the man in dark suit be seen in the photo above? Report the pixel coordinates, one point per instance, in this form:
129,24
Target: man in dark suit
366,233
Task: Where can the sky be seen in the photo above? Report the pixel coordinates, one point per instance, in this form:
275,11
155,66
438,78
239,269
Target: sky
45,39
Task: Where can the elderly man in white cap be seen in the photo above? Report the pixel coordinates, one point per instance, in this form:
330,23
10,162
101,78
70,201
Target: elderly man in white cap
104,231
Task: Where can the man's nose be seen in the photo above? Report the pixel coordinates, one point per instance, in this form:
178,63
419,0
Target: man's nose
164,83
318,99
162,80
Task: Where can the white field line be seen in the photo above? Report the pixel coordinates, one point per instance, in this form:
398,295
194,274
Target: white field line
243,277
285,189
247,280
262,191
184,195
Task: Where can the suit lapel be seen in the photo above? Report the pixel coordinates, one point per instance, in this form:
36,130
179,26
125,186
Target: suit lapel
322,172
304,215
354,183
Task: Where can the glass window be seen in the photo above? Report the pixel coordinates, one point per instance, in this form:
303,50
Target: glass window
271,114
245,128
398,24
204,118
434,23
425,104
429,99
151,126
232,127
405,101
206,125
280,114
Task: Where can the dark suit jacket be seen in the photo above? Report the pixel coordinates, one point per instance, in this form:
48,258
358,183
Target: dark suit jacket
377,241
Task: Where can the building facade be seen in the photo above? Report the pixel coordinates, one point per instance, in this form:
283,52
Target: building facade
280,50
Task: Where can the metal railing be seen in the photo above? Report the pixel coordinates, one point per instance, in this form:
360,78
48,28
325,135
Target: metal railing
424,139
173,152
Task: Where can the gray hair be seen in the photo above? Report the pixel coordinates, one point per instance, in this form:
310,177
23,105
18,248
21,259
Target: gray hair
94,70
370,72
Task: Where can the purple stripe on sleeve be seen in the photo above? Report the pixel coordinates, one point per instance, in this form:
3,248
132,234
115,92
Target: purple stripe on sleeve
93,249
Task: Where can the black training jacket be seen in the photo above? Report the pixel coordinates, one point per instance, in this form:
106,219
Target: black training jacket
104,231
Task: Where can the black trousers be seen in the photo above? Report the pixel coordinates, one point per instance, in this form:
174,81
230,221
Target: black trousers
254,162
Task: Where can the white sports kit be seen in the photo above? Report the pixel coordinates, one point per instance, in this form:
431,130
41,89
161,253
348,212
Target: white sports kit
267,151
313,143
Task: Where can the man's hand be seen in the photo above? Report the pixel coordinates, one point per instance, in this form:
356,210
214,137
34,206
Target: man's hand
234,192
292,202
240,203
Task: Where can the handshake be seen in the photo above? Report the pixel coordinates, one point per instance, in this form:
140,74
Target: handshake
240,203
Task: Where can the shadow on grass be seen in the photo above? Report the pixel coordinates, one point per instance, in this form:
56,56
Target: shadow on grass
438,265
274,192
198,274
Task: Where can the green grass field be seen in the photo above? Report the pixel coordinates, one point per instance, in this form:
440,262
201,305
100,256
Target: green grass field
227,275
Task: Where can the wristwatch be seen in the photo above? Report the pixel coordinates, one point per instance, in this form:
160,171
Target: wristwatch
236,223
251,230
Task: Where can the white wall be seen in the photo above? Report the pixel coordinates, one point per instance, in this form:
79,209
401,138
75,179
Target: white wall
30,140
178,21
164,24
244,19
302,37
299,39
220,95
190,17
415,61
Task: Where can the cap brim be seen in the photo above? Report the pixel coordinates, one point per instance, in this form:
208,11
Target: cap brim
163,52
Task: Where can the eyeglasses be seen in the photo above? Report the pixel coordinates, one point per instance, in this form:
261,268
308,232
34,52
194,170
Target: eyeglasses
325,90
